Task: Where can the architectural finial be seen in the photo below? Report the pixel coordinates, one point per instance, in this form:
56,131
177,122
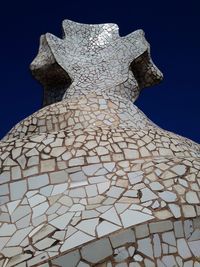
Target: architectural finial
93,58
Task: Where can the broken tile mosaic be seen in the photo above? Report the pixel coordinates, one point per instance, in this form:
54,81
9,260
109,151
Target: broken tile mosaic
89,180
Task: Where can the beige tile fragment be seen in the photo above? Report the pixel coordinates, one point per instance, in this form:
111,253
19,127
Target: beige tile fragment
47,165
57,151
189,211
159,227
131,153
76,161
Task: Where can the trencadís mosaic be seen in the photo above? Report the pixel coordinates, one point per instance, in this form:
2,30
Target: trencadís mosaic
89,180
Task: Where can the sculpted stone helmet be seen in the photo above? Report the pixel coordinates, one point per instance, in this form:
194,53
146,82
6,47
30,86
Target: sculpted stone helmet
93,57
89,180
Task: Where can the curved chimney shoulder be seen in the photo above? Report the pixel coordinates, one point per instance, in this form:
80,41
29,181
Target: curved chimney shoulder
49,73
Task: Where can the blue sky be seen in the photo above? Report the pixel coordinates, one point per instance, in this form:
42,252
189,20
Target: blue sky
171,27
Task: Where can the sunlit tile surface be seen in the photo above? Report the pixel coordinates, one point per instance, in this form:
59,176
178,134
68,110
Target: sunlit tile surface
89,180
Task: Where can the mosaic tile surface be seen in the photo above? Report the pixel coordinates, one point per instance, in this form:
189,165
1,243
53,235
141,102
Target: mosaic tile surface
89,180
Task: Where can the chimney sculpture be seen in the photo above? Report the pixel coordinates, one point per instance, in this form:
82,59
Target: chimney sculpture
89,180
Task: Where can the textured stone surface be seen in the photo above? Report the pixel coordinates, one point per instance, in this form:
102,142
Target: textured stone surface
89,179
89,252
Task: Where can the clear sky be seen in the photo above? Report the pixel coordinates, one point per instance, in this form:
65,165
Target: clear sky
172,28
